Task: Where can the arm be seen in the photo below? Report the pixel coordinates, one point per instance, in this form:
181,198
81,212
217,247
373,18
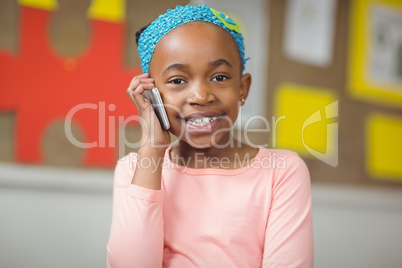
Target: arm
136,236
289,232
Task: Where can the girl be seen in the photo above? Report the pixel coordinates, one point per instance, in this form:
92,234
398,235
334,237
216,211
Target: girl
209,201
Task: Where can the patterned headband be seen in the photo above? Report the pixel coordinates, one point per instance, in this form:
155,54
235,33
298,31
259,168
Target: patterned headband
173,18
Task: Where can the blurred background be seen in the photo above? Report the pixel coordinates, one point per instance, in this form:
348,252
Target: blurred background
327,83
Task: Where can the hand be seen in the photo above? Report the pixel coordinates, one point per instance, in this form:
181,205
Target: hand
152,134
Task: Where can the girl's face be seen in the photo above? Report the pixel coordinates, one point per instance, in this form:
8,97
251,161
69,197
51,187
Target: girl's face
197,69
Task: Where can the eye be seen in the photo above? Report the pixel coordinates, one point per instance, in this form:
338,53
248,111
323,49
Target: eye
219,78
176,81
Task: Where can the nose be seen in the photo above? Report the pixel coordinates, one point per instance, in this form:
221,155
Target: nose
200,94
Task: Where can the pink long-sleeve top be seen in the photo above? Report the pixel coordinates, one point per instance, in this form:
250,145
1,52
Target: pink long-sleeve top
259,215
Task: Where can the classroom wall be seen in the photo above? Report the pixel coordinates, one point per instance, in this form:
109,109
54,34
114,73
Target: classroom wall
57,56
64,60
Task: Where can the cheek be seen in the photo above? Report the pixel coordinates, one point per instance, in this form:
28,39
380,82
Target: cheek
230,100
173,105
233,107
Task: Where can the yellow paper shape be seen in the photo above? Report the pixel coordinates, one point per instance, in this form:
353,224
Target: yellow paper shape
309,121
106,10
39,4
360,84
384,147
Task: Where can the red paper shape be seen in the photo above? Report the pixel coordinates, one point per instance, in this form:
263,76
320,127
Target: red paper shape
42,87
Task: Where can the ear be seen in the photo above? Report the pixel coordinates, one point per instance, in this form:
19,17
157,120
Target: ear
245,83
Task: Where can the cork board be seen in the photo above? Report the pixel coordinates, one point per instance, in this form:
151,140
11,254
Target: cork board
353,114
353,117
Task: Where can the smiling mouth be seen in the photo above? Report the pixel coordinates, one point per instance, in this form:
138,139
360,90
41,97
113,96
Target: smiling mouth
201,121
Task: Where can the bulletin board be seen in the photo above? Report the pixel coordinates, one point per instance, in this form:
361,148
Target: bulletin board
338,94
375,55
368,115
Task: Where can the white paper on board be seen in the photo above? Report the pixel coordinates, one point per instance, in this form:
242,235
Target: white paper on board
309,31
384,45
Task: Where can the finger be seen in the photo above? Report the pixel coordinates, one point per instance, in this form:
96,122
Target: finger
146,80
147,84
136,81
142,87
137,86
140,76
139,99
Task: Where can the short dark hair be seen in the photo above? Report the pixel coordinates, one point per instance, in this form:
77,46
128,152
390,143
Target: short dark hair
139,32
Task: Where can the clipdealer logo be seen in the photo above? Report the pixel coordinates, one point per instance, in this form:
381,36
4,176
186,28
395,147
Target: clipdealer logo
108,123
328,115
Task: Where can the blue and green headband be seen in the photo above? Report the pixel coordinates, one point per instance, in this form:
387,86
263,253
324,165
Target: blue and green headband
173,18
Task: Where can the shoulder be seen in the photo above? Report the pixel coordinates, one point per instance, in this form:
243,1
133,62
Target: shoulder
283,159
288,164
124,169
277,152
291,158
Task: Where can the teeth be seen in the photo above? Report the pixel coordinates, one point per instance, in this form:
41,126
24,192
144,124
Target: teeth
201,121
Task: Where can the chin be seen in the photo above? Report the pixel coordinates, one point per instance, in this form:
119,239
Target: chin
205,144
205,140
200,145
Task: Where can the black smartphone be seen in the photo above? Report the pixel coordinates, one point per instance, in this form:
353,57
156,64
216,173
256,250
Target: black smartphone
155,99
